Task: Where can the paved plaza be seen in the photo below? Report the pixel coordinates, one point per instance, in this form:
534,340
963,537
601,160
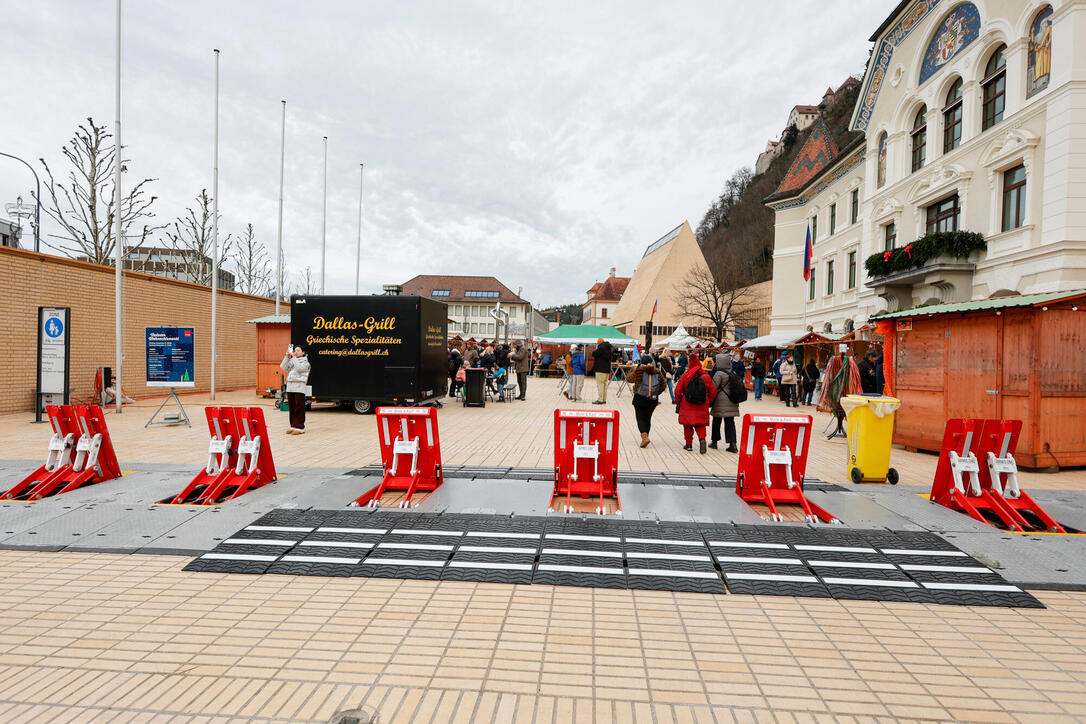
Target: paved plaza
109,637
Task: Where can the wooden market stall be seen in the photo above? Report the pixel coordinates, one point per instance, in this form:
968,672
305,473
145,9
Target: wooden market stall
272,338
1018,357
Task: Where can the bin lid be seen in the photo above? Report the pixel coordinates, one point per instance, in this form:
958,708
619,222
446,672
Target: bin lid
880,405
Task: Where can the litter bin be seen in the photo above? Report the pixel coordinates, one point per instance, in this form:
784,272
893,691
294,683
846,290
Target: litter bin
870,429
474,382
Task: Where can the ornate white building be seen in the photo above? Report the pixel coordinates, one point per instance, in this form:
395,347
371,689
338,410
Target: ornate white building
973,119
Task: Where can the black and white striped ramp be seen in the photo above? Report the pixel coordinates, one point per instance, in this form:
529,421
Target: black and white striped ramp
877,565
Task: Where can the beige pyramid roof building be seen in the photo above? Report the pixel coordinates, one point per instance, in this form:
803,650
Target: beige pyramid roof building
663,266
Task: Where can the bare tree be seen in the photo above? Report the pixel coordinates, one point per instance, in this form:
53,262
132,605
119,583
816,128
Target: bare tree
251,263
190,236
700,298
83,204
305,281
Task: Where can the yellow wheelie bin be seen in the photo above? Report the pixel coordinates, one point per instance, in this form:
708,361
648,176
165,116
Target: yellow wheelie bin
870,428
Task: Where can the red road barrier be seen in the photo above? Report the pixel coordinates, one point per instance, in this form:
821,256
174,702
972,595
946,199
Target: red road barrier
78,428
586,457
772,463
977,475
239,457
410,454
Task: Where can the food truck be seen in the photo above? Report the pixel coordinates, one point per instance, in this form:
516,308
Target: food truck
371,350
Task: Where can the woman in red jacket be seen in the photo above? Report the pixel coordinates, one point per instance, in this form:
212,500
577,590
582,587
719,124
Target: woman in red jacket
695,392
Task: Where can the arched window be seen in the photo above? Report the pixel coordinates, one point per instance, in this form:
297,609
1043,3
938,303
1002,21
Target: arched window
920,138
1040,52
827,327
952,117
880,176
995,88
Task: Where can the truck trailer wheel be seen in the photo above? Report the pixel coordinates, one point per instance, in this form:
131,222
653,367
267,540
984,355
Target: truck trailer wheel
364,407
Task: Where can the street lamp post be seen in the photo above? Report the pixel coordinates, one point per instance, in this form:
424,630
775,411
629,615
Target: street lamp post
37,199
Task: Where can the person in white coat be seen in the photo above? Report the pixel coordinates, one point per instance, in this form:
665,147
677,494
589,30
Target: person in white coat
296,365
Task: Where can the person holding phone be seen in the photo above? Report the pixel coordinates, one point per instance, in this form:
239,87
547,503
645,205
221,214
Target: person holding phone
296,365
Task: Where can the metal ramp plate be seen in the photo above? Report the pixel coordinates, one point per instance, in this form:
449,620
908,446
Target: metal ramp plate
668,502
502,497
858,511
868,564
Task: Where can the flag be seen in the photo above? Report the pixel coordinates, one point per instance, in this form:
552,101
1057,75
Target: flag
808,255
652,314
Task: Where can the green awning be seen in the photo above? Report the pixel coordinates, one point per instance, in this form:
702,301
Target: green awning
270,319
981,305
585,334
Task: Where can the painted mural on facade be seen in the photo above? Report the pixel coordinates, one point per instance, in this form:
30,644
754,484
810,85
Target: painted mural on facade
880,60
1040,52
958,29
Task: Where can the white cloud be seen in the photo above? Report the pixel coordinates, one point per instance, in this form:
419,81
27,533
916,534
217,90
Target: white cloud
539,143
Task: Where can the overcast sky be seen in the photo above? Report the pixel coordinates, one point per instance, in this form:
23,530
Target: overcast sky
541,143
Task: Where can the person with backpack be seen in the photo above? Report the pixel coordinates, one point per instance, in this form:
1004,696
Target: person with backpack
725,407
647,382
577,372
695,392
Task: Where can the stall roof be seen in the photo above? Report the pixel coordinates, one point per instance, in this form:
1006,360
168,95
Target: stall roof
1025,300
774,340
820,337
270,319
585,333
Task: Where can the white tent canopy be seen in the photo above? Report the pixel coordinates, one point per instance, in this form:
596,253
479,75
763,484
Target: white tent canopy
774,340
680,339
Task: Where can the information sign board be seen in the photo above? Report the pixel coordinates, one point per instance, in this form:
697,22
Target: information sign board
171,357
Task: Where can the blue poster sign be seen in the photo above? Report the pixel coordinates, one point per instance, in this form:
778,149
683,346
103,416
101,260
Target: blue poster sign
171,357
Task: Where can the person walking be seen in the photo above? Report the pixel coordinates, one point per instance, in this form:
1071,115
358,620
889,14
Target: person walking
725,406
868,379
757,376
809,373
523,361
455,362
695,391
788,381
576,363
647,381
738,367
601,369
296,365
667,369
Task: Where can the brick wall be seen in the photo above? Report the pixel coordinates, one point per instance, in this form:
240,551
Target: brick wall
29,280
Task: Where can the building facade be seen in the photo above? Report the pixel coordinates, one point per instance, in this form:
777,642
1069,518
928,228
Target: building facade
603,298
657,281
973,115
471,300
179,264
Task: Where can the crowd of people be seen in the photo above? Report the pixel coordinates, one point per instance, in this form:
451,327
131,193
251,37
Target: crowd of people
706,389
499,361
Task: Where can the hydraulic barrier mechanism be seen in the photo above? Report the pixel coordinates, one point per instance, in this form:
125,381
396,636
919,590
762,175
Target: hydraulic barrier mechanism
410,456
977,475
772,462
80,453
239,457
586,459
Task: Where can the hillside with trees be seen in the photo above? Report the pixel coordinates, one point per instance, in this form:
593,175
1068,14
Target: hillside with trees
736,233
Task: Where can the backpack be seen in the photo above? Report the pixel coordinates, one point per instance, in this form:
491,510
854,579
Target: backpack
737,391
695,392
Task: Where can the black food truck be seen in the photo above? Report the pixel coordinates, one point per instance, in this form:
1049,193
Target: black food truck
372,350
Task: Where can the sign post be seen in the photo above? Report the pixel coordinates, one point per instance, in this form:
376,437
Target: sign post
53,345
171,362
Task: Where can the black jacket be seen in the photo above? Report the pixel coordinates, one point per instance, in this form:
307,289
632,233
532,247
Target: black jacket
454,363
601,358
867,376
757,369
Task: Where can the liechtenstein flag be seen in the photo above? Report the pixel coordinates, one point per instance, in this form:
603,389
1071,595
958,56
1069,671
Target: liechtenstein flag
808,254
